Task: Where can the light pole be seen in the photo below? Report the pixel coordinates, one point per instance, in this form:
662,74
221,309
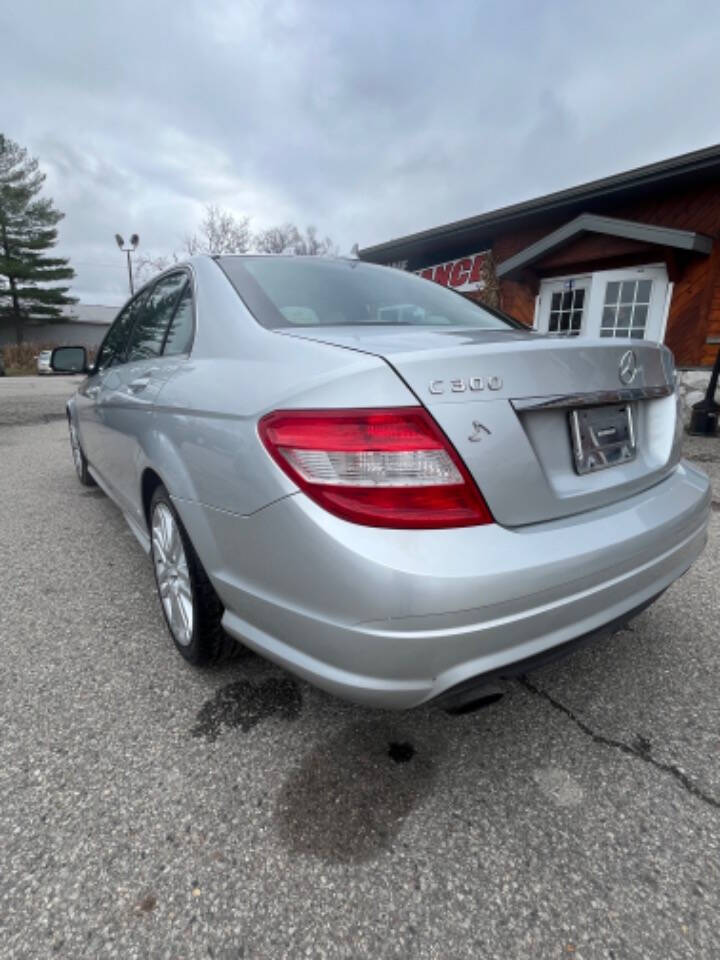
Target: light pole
134,241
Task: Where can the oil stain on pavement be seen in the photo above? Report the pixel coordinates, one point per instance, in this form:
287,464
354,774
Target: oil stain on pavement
401,752
350,796
244,704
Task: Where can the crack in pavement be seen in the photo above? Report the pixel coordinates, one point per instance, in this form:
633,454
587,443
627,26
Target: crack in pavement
641,750
703,457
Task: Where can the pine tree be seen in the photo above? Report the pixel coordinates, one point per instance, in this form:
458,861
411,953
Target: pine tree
28,276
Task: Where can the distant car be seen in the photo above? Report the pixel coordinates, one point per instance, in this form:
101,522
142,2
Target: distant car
42,361
397,501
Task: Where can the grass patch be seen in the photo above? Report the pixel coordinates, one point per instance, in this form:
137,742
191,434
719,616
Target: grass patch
19,359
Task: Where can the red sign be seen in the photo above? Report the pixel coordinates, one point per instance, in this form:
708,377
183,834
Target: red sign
467,273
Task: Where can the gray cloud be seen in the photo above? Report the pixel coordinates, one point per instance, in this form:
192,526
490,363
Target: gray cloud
370,120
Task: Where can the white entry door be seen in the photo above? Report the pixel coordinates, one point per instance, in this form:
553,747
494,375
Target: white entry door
628,303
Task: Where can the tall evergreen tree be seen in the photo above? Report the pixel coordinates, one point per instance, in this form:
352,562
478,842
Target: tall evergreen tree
29,278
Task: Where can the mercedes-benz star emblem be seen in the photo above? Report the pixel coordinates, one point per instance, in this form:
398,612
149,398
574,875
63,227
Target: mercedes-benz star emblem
628,367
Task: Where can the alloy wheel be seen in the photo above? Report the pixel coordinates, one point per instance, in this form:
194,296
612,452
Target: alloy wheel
76,451
172,574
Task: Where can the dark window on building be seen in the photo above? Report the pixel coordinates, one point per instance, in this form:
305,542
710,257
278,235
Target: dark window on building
566,310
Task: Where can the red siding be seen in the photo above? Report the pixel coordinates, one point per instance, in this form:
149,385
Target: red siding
593,248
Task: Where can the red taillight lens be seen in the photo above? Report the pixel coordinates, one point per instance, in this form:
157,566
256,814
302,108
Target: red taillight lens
381,468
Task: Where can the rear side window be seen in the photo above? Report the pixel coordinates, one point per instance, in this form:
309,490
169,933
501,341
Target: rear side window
152,317
179,337
112,350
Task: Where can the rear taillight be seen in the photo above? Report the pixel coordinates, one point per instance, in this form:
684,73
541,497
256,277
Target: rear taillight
381,468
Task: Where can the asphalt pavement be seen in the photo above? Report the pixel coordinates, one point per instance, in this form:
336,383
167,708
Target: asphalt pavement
31,400
151,810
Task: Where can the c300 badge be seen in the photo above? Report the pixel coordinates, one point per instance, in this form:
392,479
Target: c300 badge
460,385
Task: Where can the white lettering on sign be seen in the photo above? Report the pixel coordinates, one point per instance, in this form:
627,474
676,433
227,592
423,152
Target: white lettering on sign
466,273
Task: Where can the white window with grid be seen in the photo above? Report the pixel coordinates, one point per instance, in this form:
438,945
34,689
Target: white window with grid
566,312
627,304
563,306
625,308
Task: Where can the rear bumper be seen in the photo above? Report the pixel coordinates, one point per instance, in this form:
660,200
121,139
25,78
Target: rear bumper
469,692
396,618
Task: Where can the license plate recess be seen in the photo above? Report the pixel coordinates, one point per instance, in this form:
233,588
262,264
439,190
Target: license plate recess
602,437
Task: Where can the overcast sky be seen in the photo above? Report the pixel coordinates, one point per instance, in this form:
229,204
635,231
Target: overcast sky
369,119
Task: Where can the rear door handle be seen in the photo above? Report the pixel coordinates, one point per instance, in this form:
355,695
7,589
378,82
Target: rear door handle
138,385
92,392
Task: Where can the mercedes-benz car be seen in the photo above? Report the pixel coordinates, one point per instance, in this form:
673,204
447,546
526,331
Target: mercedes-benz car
394,492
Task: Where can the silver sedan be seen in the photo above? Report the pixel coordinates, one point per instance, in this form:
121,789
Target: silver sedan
391,491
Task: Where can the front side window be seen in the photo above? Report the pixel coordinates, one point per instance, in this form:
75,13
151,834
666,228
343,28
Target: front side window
152,316
314,291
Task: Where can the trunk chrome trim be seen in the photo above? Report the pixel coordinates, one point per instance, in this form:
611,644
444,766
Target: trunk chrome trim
595,398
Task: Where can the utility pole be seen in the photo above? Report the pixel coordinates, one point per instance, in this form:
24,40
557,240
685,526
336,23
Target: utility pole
134,241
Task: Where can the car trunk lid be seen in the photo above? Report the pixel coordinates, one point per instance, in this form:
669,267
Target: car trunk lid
505,399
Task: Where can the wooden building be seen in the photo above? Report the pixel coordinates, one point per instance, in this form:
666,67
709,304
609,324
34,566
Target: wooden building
632,255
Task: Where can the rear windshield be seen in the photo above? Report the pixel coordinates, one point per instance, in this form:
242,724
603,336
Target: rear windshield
317,292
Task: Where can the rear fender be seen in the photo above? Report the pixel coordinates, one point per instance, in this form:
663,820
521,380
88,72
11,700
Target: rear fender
211,452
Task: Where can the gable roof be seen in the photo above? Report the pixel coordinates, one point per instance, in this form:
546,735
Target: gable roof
611,226
452,239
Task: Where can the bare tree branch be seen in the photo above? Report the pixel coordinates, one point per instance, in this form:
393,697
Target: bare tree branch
220,233
288,239
146,265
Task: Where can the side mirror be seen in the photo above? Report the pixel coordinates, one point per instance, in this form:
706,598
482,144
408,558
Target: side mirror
69,360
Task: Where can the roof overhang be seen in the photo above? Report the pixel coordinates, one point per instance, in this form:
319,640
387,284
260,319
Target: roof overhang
475,233
610,226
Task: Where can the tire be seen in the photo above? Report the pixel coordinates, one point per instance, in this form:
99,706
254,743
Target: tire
190,605
79,458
